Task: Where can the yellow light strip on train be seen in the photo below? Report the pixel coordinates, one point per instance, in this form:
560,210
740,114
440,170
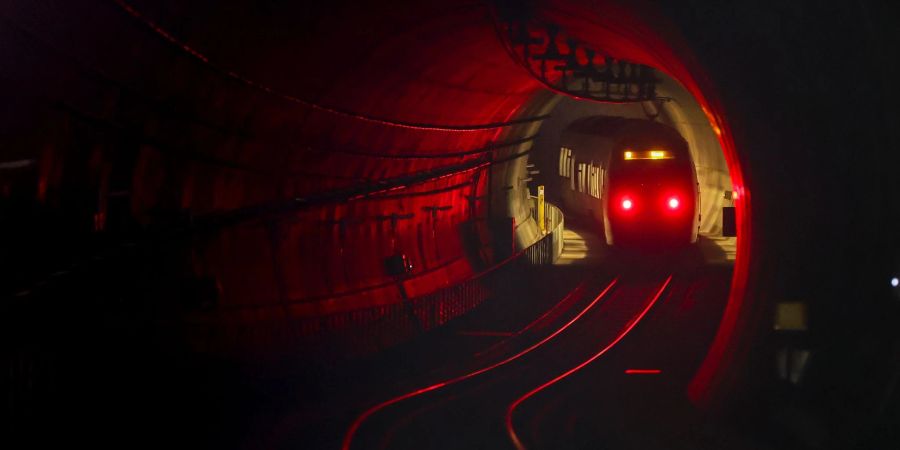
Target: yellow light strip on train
652,154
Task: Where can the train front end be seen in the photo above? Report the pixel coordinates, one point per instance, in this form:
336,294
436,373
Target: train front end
651,197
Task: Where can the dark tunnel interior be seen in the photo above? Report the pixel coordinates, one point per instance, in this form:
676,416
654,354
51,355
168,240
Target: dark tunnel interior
359,224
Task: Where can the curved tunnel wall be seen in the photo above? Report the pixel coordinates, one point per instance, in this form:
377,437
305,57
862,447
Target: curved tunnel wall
151,116
240,145
151,120
637,33
683,112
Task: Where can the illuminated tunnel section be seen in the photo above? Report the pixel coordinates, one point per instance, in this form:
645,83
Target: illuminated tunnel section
678,110
254,120
318,141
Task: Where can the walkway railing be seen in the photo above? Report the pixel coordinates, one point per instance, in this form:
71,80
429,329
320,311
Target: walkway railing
548,248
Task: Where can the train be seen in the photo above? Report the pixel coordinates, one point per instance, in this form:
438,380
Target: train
634,177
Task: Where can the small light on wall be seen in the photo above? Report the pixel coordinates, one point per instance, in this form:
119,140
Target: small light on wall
895,282
790,316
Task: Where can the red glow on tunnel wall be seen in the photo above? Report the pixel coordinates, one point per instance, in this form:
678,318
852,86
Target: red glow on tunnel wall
394,92
452,72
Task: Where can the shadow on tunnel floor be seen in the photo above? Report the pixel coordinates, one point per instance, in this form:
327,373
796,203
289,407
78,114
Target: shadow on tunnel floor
147,390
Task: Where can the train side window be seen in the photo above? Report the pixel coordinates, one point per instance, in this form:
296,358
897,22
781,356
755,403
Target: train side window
590,179
571,170
582,175
565,162
600,182
595,181
562,161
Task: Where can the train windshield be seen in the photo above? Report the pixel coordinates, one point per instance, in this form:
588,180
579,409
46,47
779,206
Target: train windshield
650,165
630,155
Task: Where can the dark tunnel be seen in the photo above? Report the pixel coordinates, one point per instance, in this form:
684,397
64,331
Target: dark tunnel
223,223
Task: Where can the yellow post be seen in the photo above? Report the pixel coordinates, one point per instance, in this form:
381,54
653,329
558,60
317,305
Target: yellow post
540,210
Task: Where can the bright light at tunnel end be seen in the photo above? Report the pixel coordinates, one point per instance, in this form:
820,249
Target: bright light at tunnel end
895,282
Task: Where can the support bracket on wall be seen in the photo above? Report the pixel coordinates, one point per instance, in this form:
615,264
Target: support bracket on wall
434,210
394,218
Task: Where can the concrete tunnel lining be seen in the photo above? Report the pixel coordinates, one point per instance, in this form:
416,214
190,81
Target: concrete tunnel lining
680,111
453,71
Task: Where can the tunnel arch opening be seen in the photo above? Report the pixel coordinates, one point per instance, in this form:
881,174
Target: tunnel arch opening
639,35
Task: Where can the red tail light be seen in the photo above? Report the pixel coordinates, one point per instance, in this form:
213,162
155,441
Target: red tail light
627,204
673,203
